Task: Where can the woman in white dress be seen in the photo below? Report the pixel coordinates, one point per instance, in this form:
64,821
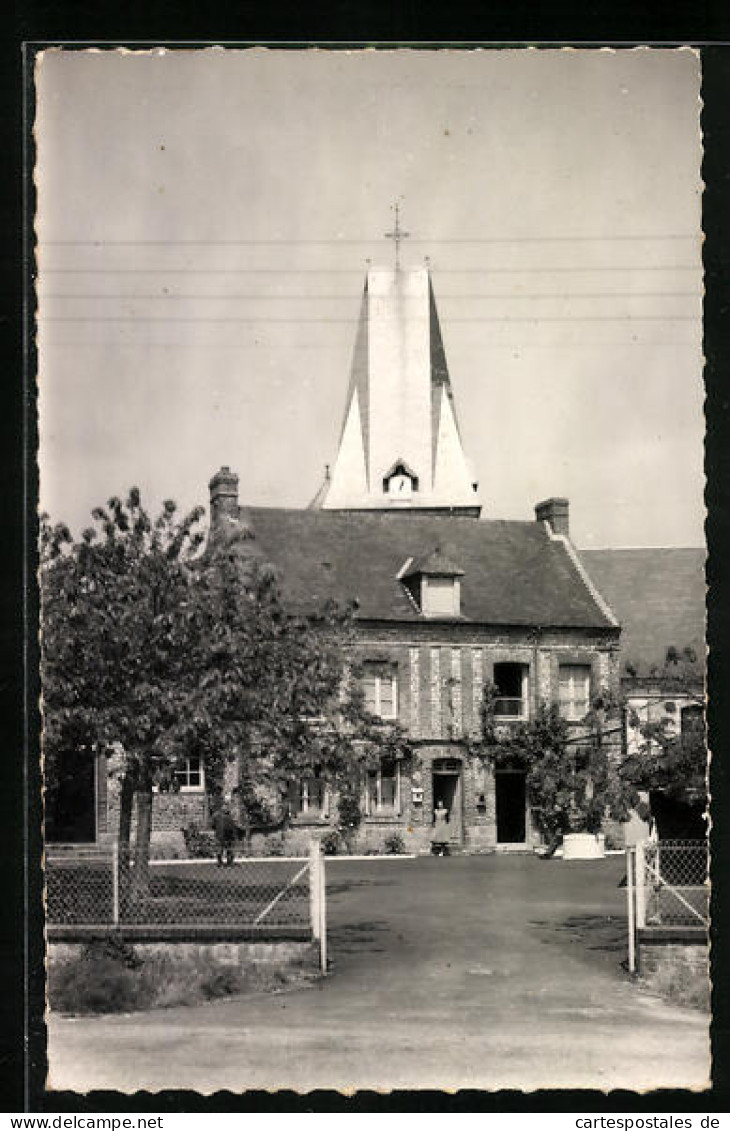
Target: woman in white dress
440,834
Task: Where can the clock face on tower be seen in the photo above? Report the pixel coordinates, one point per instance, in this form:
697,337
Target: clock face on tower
400,482
400,486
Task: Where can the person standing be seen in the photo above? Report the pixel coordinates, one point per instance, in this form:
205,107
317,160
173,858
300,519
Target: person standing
225,830
440,834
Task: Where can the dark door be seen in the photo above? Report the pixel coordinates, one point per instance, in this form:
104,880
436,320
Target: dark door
511,804
447,789
71,800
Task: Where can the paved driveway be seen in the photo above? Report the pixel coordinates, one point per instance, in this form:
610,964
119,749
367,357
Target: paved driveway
480,972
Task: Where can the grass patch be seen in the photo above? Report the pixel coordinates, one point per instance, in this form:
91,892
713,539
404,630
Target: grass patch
681,986
109,977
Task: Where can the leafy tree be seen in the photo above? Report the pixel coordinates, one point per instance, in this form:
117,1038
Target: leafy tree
571,772
671,757
163,652
113,662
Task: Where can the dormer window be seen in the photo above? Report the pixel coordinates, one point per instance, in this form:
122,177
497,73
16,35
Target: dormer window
434,583
400,482
440,597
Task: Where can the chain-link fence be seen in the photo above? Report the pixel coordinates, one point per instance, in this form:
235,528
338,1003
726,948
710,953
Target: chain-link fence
81,885
669,883
676,883
101,888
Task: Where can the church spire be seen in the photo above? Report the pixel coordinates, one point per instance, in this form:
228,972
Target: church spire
400,446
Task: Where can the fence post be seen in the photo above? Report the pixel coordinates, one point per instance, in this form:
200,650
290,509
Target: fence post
322,913
315,881
630,909
640,885
115,883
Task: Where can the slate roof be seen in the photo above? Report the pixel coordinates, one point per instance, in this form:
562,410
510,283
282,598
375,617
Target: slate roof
436,564
658,596
514,573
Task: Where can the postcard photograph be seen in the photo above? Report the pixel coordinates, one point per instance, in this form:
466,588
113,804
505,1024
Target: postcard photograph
372,568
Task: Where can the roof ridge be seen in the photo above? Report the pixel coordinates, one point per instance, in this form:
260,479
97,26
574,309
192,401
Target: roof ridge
582,572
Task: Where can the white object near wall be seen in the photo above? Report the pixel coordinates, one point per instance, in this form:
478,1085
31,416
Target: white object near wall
584,846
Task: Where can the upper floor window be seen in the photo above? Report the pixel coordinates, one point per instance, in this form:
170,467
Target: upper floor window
574,691
440,597
383,789
380,685
189,774
511,681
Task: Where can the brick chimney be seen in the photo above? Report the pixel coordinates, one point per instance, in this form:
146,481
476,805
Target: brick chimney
556,513
223,496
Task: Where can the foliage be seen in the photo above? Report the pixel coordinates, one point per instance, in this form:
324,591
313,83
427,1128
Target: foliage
349,812
682,985
332,843
669,763
115,950
164,653
97,984
105,979
671,758
199,843
571,780
394,845
114,663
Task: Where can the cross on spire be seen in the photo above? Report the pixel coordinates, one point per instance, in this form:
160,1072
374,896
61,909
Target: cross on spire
397,235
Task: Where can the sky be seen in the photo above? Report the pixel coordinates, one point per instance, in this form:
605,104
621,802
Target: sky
205,220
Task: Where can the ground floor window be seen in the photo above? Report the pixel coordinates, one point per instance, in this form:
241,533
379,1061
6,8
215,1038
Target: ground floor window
189,774
383,789
309,797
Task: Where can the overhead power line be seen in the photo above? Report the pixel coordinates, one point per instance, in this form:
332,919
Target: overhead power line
435,270
280,241
443,296
537,319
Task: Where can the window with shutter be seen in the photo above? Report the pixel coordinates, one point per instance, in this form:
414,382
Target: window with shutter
380,686
383,789
574,688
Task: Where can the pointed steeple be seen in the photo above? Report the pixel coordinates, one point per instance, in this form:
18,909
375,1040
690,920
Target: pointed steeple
400,446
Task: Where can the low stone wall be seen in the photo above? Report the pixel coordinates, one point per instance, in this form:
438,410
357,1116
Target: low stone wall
231,953
675,961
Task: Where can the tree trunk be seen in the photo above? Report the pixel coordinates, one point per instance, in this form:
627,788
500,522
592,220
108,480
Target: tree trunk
126,803
141,873
246,825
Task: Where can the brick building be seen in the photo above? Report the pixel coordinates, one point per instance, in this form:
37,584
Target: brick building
444,604
447,600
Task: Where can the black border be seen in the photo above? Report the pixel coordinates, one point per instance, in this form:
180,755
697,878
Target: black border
45,23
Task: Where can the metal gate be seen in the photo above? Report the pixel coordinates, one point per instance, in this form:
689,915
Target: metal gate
667,885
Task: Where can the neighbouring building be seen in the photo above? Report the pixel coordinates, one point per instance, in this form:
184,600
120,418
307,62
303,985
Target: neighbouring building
659,597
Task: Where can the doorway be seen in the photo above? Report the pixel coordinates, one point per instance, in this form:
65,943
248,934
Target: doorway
71,800
446,788
511,805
